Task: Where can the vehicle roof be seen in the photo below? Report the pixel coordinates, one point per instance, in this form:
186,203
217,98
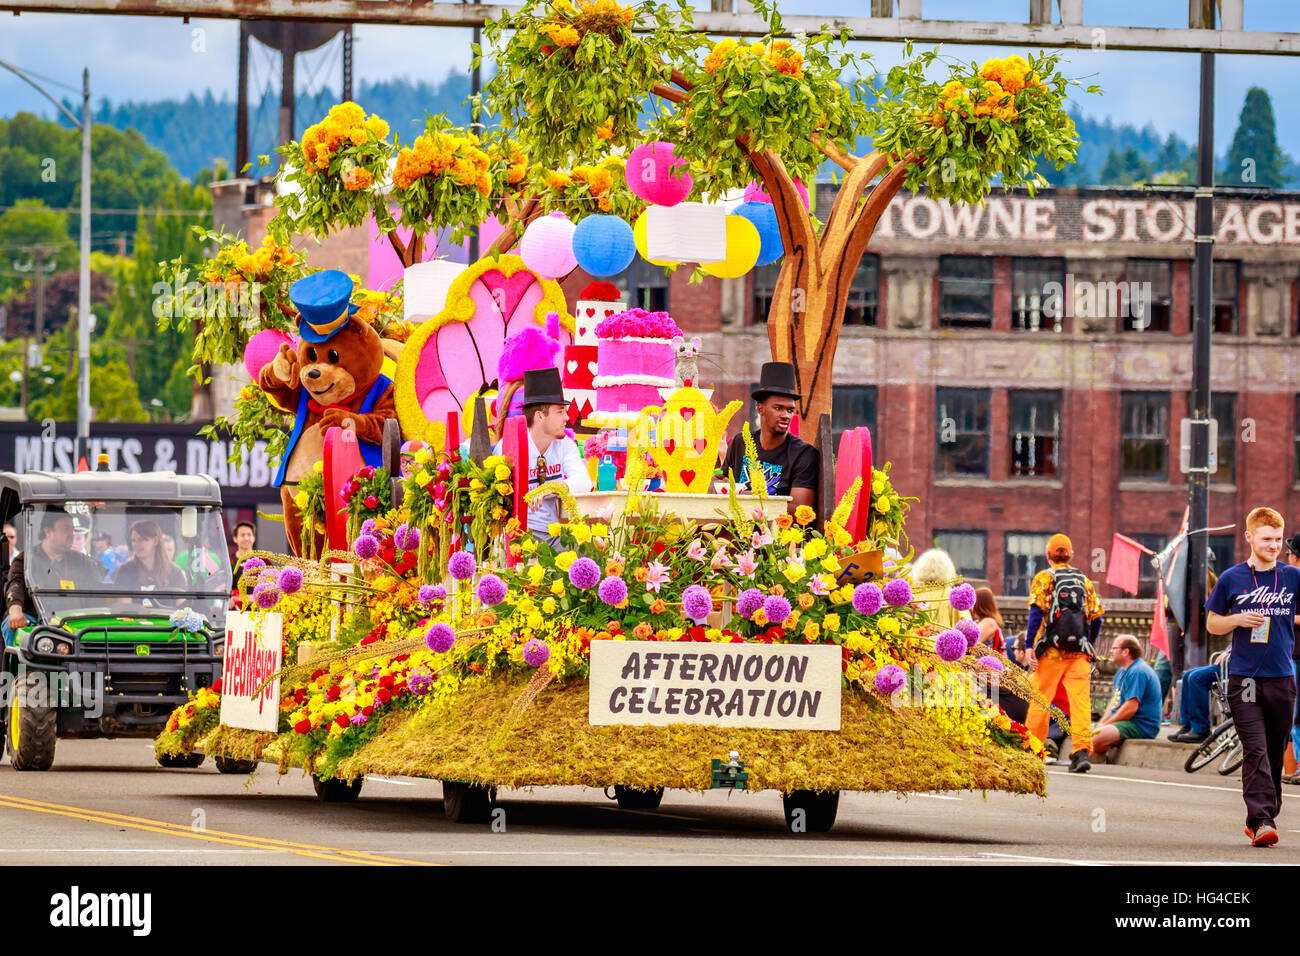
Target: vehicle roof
152,487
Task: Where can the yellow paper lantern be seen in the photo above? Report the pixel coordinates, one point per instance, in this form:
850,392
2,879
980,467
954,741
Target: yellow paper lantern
638,236
743,246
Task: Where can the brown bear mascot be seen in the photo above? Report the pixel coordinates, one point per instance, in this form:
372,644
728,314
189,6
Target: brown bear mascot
332,378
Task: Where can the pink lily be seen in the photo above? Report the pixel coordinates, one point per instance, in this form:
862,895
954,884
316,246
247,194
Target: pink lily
747,564
761,539
696,551
657,575
817,585
758,513
721,560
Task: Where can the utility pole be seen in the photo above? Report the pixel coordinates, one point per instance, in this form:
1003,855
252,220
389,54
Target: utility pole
40,267
83,294
476,124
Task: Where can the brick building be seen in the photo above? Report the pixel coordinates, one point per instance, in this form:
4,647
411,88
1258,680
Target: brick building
1024,365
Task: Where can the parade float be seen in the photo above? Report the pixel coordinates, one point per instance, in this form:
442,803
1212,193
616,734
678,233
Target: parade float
666,635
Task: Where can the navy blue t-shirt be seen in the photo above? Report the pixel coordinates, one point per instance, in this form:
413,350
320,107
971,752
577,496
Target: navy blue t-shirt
1271,593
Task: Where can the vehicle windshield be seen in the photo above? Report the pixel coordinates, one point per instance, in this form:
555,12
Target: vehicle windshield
126,559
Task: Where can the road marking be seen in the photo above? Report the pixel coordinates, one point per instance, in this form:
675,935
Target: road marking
931,796
401,783
1161,783
334,854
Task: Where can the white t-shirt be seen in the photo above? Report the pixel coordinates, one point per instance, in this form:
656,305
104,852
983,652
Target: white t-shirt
563,463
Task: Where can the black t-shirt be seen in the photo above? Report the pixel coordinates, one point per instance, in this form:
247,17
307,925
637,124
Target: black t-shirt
74,570
134,576
792,464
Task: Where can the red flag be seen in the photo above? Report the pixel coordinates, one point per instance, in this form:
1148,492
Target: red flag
1125,553
1159,631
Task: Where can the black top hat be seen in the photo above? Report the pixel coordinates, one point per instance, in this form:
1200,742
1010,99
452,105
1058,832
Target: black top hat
542,387
1293,544
776,378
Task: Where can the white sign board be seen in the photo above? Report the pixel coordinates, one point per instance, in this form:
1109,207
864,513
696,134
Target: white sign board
790,687
252,656
1185,445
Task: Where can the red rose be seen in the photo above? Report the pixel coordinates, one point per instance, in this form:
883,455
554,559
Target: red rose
367,711
333,692
399,688
216,687
300,695
371,501
383,695
368,639
403,657
302,727
776,632
387,681
696,633
367,472
342,721
316,674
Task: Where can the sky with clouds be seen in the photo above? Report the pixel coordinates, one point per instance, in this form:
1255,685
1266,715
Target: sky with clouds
145,58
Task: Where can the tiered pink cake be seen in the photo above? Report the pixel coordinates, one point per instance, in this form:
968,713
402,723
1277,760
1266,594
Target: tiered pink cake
635,360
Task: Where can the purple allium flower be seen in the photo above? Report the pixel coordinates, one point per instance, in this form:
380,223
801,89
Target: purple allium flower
890,678
536,653
776,608
612,590
697,603
491,590
253,564
407,537
462,565
419,682
867,598
290,580
991,662
366,546
440,638
584,573
951,645
749,601
971,630
266,596
432,594
898,592
368,526
962,597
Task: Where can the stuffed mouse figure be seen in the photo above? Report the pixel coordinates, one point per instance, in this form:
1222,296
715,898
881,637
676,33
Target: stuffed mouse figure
332,378
688,369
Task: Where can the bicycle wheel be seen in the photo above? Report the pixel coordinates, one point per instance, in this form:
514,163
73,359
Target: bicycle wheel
1220,741
1234,757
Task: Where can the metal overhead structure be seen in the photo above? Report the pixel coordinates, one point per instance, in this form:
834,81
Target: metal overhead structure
889,20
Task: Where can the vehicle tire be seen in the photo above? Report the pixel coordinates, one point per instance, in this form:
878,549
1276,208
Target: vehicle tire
467,802
231,765
180,761
1234,757
335,790
630,799
810,811
1216,745
33,730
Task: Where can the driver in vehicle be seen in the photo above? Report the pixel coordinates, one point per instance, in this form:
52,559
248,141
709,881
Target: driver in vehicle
149,568
52,565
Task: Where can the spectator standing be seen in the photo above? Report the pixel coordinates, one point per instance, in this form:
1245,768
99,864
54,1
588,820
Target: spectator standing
11,535
1255,602
1290,768
1134,708
989,618
1064,622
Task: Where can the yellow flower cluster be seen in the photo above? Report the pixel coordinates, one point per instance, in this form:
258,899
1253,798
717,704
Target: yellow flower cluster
373,307
1011,73
238,262
781,56
345,124
560,34
1000,80
436,154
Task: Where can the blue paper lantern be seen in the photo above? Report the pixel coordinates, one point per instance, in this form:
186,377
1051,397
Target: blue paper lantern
763,216
604,245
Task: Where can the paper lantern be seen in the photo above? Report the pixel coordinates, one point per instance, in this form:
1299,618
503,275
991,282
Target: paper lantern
262,349
424,288
755,192
639,236
656,175
604,245
687,232
743,245
763,216
547,246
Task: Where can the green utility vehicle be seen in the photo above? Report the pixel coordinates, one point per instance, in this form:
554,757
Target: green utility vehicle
129,579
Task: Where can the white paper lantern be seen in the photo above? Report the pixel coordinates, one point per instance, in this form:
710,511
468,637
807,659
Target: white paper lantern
424,288
687,232
547,246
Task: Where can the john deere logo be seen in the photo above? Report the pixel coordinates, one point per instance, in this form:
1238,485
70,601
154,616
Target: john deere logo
142,650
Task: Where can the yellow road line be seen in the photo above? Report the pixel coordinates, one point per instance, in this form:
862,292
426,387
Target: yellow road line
335,854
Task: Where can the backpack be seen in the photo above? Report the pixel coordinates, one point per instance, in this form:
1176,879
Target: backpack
1067,618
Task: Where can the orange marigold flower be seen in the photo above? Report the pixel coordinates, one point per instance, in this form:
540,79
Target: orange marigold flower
784,521
658,607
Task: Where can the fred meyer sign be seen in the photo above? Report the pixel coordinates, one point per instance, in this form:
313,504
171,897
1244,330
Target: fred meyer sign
134,448
252,656
791,687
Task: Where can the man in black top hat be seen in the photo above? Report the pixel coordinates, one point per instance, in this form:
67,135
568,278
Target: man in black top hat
789,464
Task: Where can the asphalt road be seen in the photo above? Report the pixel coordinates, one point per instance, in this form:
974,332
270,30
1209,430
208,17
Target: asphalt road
105,802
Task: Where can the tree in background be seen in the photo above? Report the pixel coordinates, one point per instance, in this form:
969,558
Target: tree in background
1125,168
32,231
1255,158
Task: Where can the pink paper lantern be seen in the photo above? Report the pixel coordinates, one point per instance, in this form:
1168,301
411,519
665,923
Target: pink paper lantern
547,246
656,175
262,349
755,192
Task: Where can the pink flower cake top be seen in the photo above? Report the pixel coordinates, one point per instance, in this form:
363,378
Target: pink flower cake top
638,324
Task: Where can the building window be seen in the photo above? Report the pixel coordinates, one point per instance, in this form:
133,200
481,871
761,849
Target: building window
1223,409
1147,570
1035,423
1144,431
1148,295
966,291
1028,278
853,406
1024,555
644,285
764,289
968,550
962,420
864,292
1223,313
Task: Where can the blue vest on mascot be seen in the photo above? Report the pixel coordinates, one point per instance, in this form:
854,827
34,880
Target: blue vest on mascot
371,453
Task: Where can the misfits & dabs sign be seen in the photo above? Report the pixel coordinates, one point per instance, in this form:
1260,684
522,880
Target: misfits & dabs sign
790,687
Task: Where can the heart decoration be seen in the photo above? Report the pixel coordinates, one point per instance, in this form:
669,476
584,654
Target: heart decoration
687,477
686,413
701,444
668,445
572,366
591,313
591,367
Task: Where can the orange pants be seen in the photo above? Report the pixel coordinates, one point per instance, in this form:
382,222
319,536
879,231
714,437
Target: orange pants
1068,670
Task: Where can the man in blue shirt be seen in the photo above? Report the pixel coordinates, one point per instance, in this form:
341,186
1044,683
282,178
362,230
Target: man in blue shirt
1255,602
1134,709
